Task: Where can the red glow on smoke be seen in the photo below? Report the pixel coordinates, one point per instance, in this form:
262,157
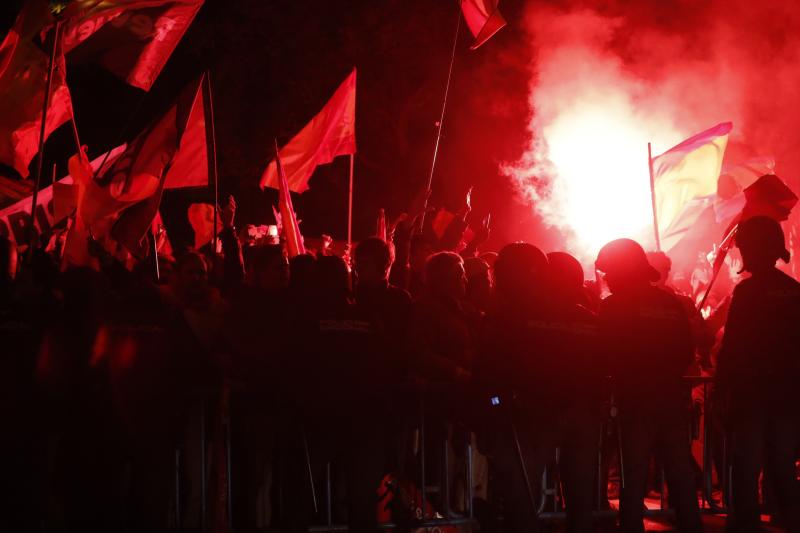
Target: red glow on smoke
604,82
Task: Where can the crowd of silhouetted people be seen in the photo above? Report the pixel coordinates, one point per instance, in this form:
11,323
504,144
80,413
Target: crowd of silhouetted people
225,387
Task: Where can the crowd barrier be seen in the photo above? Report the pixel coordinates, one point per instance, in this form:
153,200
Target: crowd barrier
550,503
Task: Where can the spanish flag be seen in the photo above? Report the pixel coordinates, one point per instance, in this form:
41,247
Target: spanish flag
685,175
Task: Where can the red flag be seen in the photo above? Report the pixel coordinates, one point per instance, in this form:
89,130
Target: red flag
167,142
291,229
54,203
23,73
483,18
121,203
380,231
131,38
201,218
331,133
767,196
190,166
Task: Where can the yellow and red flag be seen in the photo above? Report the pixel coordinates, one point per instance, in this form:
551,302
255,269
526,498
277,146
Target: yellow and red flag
683,176
331,133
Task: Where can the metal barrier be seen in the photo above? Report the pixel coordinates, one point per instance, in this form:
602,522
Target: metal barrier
550,492
448,519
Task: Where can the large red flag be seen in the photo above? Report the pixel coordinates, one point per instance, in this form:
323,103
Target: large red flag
331,133
190,166
291,229
134,222
122,201
131,38
23,75
483,18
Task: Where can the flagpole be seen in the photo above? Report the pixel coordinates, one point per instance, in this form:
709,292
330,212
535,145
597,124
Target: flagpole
441,120
724,246
653,196
350,207
156,269
211,147
75,135
45,104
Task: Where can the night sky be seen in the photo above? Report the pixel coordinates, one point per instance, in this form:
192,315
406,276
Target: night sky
274,64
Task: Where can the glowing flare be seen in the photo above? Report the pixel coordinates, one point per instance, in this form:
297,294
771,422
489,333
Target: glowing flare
595,156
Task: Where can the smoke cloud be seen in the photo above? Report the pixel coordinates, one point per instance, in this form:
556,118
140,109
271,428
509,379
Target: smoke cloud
608,77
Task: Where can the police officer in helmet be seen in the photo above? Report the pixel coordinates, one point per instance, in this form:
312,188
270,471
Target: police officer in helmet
648,344
758,375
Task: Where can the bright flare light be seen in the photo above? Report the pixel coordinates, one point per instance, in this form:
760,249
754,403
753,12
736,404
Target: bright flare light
585,169
600,187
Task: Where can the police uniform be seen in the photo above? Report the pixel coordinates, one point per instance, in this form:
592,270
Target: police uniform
648,344
759,375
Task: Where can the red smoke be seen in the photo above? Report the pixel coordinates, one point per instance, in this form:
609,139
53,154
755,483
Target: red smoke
607,77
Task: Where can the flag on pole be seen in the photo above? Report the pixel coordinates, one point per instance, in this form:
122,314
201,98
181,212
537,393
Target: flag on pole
683,176
122,201
380,230
190,166
767,196
291,229
131,38
483,18
734,179
770,197
134,222
331,133
24,66
54,203
201,218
